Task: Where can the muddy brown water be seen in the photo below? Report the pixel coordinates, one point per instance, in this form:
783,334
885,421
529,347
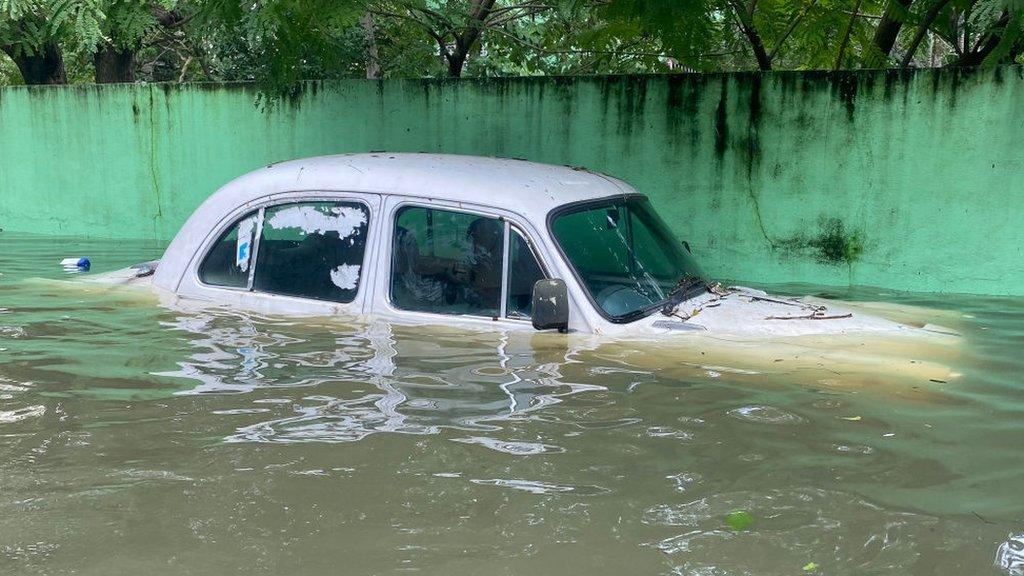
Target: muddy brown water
141,439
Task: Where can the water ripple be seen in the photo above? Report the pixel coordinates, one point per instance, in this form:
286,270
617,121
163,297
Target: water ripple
765,415
9,416
510,446
536,487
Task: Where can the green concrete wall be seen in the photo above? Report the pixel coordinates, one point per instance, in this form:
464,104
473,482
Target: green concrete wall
910,181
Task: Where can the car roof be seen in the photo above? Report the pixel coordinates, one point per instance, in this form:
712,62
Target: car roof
510,184
529,189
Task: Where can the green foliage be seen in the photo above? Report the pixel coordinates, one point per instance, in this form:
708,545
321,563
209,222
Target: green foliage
278,43
25,25
129,23
9,72
706,30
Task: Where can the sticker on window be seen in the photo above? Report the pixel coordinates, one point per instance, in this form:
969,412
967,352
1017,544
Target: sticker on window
344,220
243,250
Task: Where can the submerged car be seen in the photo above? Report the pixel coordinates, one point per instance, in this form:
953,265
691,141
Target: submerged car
442,239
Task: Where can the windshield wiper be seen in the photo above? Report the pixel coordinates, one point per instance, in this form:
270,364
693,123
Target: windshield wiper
683,291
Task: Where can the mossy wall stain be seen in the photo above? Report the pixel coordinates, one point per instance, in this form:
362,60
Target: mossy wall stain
831,244
722,122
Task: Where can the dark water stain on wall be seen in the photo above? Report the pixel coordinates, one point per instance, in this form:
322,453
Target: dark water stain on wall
846,86
632,101
832,243
753,147
682,106
722,122
892,78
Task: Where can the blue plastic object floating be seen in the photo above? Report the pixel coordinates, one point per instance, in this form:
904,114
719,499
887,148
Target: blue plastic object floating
75,264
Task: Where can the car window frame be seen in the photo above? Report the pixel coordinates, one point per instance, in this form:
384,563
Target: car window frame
532,247
282,199
582,205
211,244
508,224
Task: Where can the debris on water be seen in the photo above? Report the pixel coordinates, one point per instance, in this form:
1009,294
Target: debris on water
853,449
812,316
683,480
75,265
850,418
811,567
739,520
983,519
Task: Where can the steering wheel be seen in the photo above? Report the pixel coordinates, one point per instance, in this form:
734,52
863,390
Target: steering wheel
619,299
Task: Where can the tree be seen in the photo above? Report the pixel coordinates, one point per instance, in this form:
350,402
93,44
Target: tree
278,43
128,27
34,34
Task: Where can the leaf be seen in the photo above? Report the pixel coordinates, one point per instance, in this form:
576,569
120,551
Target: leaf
739,520
811,567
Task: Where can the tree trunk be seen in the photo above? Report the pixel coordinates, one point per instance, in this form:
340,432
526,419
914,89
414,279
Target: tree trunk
464,42
113,65
746,22
45,66
456,62
889,26
370,44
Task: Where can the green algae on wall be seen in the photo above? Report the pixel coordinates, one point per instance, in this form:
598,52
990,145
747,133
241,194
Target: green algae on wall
909,180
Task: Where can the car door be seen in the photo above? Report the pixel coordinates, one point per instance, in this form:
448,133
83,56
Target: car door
447,263
298,253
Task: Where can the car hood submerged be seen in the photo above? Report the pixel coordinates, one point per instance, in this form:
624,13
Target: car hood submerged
746,312
823,343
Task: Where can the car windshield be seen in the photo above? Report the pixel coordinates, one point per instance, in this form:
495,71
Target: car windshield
626,256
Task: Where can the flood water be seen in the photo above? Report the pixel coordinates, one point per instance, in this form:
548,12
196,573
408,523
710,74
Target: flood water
140,439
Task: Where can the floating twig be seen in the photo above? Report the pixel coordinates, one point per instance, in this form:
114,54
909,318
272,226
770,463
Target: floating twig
811,316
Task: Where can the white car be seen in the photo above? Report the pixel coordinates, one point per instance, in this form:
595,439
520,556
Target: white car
471,241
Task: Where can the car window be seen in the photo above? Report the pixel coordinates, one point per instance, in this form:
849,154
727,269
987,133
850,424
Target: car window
227,262
625,255
523,272
447,262
312,249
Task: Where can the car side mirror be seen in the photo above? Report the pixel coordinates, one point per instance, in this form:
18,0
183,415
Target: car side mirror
550,305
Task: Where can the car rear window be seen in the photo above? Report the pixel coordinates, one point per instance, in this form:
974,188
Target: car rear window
312,250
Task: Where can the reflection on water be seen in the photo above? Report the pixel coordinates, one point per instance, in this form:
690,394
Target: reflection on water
410,384
134,437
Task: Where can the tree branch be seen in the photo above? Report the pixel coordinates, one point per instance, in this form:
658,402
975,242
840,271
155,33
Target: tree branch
846,36
746,24
789,30
542,50
922,29
889,26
